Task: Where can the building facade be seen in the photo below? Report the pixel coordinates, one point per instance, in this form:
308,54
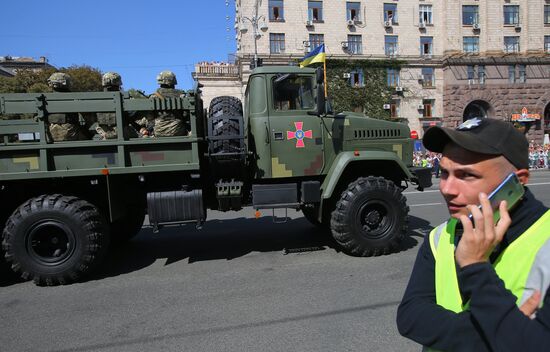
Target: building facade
458,58
10,64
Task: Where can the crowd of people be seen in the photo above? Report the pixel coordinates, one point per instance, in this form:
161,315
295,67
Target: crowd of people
538,156
427,159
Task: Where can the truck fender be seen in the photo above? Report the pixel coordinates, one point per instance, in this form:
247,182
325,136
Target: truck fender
344,159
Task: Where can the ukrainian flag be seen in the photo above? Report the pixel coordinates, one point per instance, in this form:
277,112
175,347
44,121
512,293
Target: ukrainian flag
317,55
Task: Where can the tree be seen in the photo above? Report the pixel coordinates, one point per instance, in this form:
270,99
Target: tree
84,79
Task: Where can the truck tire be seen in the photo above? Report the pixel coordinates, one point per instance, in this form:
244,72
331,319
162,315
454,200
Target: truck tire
55,239
370,218
225,118
127,227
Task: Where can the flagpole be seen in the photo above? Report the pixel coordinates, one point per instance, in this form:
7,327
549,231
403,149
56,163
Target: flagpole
325,76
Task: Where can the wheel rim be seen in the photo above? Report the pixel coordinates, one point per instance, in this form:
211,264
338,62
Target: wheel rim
375,219
50,242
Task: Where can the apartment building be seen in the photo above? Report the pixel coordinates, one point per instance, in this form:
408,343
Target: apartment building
457,58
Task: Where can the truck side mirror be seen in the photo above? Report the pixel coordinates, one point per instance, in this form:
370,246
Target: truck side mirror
321,101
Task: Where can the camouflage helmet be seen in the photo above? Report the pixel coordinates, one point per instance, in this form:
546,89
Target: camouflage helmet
60,80
167,77
111,79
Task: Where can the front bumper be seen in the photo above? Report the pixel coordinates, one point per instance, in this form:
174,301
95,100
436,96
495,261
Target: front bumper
422,177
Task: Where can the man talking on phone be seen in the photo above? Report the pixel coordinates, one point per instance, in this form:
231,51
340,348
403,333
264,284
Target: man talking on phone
477,285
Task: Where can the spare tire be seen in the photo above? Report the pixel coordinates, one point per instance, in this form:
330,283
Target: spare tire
225,119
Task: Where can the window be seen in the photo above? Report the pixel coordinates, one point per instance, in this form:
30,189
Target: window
428,77
316,40
357,78
522,73
512,74
470,70
293,93
546,14
393,77
390,13
276,43
394,109
315,10
470,15
390,45
481,74
425,14
276,10
354,44
353,11
547,43
476,74
426,46
511,44
428,107
511,14
471,44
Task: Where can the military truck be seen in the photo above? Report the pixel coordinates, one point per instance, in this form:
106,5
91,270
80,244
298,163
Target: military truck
63,203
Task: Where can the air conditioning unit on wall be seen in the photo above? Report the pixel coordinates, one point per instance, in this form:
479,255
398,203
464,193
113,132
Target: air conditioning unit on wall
346,75
387,106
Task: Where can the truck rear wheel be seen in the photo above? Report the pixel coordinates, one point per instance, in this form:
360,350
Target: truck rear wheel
370,218
54,239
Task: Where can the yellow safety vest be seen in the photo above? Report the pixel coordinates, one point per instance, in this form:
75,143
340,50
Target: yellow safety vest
524,265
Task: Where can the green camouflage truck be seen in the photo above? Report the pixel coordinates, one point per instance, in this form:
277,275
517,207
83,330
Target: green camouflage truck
63,203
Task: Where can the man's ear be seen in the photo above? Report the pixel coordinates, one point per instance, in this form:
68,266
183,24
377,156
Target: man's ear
523,175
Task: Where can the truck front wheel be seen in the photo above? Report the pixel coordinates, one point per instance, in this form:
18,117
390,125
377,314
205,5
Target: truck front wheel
370,218
54,239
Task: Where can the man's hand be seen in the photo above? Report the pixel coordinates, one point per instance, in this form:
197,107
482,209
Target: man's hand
530,306
479,239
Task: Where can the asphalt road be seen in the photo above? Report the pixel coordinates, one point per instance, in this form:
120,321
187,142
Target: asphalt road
240,284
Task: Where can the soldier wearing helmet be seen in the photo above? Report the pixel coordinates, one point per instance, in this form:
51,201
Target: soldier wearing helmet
169,123
63,127
105,127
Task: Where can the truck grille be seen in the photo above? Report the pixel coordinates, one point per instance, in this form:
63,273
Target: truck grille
377,133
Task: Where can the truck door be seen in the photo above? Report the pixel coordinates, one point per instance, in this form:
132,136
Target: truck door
296,137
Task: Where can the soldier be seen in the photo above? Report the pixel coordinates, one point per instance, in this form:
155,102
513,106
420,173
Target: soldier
168,123
63,127
105,127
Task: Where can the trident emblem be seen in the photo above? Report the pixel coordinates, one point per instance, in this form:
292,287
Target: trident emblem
299,134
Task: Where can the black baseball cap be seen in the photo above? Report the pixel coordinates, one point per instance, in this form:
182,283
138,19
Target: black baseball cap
484,136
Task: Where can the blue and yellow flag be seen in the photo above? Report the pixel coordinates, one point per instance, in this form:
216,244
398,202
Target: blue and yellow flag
317,55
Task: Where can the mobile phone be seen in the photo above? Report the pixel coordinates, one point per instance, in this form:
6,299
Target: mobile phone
510,189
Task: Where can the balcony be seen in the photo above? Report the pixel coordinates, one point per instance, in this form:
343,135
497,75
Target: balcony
216,69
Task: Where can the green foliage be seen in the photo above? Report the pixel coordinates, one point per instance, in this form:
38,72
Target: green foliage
371,97
84,79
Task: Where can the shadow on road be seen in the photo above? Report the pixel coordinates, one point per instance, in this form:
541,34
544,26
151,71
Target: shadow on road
220,239
417,228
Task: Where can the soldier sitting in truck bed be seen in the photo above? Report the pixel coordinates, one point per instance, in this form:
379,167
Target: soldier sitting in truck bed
105,127
64,127
168,123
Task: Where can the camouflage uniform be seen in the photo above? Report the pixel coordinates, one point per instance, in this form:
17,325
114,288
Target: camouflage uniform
105,127
63,127
169,123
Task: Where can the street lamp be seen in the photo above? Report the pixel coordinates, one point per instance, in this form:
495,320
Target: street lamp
255,22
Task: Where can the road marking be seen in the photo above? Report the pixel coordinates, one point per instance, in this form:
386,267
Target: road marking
425,204
436,190
415,192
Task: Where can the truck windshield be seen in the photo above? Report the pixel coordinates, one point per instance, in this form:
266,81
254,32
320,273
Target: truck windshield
293,93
